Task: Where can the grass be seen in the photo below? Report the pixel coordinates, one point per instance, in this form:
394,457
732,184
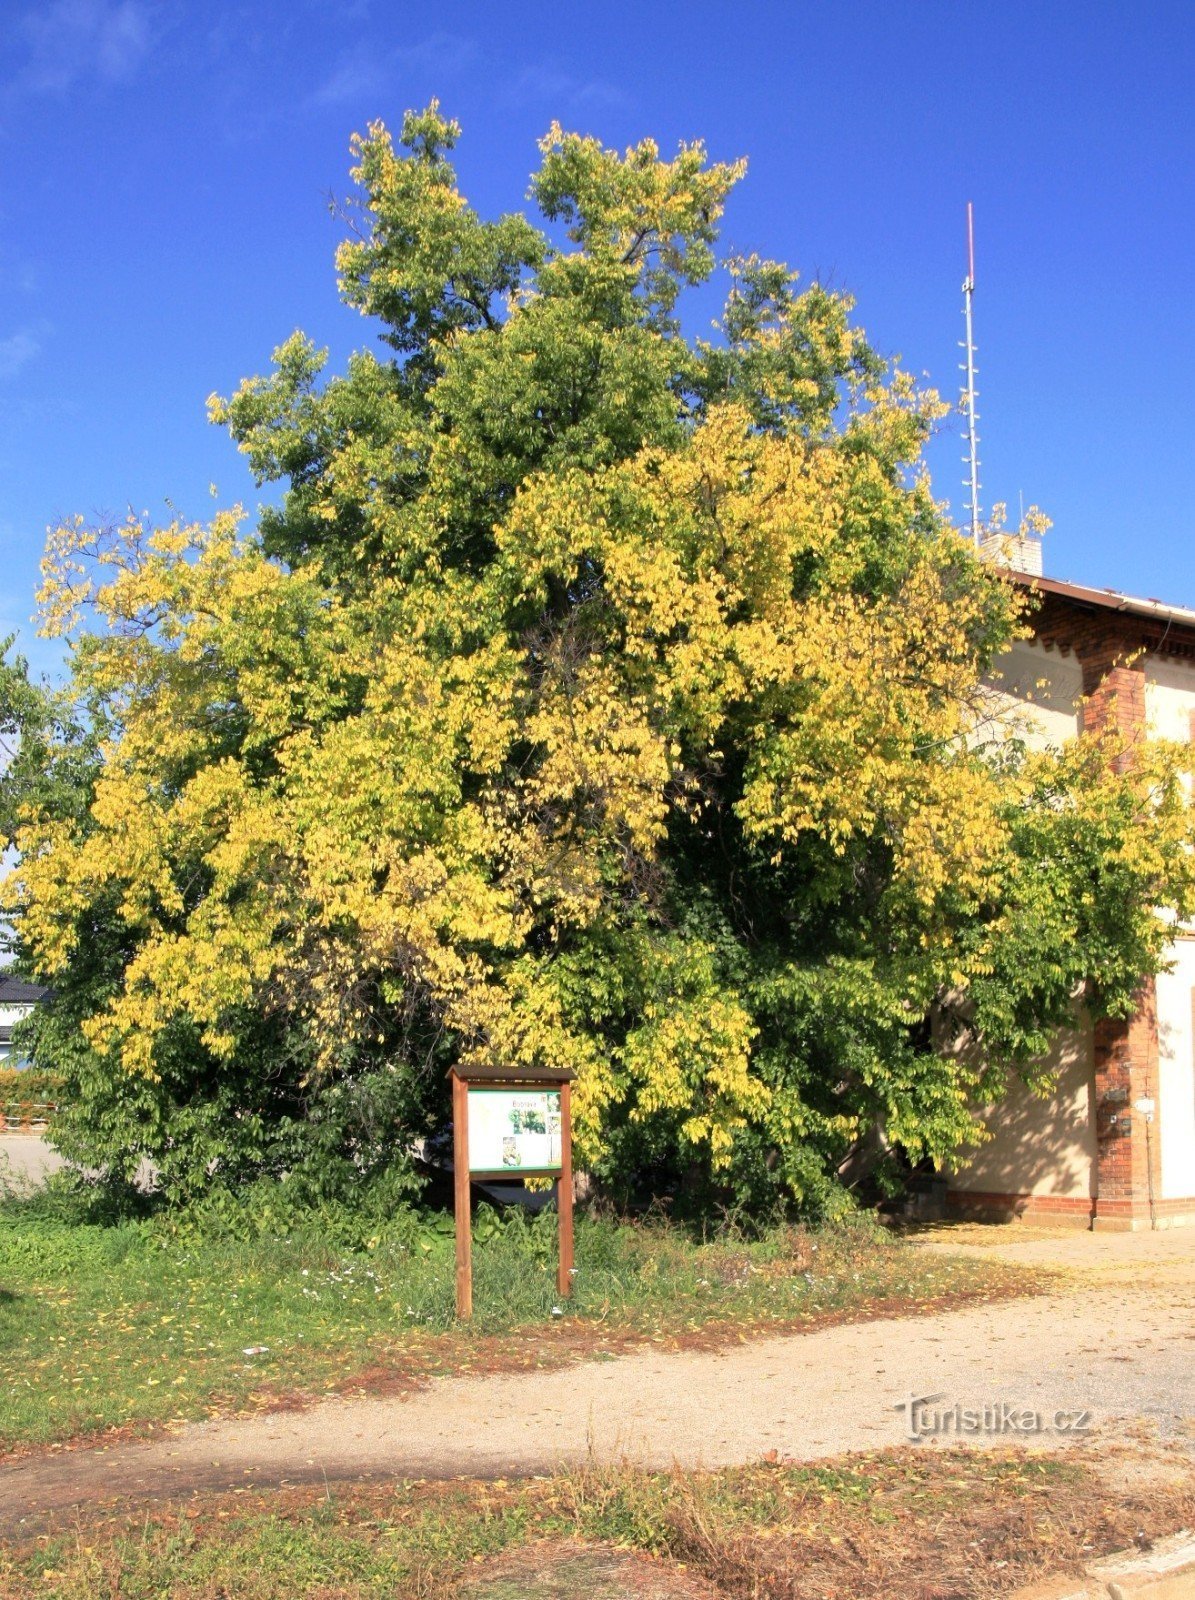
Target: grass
905,1525
137,1324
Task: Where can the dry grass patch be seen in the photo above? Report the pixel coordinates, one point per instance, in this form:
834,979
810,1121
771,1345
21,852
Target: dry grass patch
910,1524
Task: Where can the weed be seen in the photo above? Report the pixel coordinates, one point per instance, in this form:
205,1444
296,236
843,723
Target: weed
891,1525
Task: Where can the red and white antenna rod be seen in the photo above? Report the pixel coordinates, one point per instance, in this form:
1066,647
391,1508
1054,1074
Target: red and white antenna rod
972,456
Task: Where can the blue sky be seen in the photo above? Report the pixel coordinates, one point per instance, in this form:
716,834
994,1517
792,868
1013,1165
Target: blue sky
164,220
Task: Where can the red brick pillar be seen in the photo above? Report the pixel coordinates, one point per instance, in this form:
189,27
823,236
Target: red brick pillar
1126,1061
1126,1052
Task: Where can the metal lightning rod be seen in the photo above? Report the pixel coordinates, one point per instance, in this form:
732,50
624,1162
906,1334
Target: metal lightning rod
969,398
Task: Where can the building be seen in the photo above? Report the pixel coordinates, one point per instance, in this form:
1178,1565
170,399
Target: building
17,1000
1115,1146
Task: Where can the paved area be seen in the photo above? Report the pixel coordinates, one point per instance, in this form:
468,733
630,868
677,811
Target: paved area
1113,1351
27,1157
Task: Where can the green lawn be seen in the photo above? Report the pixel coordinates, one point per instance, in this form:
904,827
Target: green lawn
138,1323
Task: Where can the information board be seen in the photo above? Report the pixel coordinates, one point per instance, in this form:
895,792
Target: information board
514,1130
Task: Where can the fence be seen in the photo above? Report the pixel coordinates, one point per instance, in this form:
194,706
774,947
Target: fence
26,1116
28,1099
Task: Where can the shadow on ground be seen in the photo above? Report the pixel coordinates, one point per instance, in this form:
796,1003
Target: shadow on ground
564,1572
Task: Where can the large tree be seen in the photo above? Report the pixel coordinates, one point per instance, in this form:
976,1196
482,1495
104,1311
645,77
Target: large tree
593,695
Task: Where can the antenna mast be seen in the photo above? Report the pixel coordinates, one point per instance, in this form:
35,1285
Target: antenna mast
972,456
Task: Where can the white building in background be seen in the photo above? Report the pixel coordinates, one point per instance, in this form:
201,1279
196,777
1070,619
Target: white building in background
17,1000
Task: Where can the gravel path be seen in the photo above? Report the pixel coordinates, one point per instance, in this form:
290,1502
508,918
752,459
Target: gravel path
1117,1344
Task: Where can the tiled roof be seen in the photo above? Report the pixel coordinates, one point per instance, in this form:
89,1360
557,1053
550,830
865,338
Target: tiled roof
16,992
1109,599
1141,624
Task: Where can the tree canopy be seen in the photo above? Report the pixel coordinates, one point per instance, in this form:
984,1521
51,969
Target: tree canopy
592,694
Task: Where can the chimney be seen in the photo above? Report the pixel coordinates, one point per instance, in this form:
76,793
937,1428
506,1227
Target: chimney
1016,552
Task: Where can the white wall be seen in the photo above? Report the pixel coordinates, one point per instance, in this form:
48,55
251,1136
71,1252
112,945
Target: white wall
1169,698
1175,1095
1044,688
1169,704
1042,1146
9,1016
1035,695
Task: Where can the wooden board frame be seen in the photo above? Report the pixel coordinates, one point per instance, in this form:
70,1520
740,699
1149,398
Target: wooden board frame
492,1078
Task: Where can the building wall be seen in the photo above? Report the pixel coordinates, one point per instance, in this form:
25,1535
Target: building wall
1036,694
1174,1120
1169,710
1041,1147
1169,698
1060,1150
9,1017
1044,1148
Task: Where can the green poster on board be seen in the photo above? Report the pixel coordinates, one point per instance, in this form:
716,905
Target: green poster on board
514,1130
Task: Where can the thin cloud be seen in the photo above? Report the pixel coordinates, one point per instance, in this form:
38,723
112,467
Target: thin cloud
364,72
563,91
352,80
70,42
17,351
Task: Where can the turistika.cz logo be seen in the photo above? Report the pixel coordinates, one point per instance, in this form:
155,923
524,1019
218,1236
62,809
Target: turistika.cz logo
929,1419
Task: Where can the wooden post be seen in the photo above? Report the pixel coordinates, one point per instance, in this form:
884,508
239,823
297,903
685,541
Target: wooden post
460,1176
564,1194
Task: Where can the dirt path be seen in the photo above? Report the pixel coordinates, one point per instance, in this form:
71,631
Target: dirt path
1119,1345
1164,1258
